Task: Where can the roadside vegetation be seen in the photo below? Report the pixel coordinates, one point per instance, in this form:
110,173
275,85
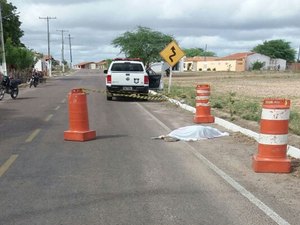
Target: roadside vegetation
241,101
19,58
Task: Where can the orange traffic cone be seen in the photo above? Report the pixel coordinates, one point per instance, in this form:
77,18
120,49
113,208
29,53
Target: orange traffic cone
202,105
272,143
78,118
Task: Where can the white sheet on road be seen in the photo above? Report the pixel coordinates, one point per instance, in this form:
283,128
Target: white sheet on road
196,132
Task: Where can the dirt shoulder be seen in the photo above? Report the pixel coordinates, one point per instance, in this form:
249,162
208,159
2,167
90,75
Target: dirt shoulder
233,155
252,85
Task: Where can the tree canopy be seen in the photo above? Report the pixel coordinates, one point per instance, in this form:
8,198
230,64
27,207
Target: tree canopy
11,23
17,55
142,43
276,49
191,52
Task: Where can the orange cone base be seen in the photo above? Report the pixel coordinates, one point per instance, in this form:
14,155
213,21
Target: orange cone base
79,135
204,119
267,165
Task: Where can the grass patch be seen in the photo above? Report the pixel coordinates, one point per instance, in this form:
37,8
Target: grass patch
294,123
235,106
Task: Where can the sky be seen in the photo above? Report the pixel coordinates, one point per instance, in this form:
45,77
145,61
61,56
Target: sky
224,26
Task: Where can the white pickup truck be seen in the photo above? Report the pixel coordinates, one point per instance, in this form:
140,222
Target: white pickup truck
129,76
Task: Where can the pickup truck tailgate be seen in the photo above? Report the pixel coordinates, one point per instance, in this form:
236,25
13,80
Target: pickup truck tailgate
128,78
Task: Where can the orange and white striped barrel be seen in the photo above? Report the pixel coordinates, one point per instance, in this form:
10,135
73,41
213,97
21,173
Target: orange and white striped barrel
202,105
273,137
78,117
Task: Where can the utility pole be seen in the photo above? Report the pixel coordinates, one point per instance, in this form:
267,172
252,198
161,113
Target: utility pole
4,70
70,44
205,49
298,60
48,38
62,49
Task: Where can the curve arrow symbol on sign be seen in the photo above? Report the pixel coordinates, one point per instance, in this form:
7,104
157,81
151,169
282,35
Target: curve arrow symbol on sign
174,53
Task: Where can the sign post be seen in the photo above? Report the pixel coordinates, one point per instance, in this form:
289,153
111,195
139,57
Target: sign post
171,54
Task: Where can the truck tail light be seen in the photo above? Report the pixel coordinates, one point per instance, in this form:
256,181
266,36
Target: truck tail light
146,79
108,79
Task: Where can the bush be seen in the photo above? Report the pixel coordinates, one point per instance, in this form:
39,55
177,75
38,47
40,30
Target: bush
258,65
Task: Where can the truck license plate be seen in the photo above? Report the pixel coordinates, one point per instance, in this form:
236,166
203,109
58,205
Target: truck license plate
127,88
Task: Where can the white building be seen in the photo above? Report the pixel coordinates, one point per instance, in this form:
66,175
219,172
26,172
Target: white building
41,65
161,67
269,63
237,62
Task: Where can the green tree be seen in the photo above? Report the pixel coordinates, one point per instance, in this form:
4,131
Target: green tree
191,52
11,23
276,49
18,57
143,43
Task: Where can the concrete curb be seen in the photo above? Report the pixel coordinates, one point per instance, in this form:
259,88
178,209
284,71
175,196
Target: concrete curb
291,150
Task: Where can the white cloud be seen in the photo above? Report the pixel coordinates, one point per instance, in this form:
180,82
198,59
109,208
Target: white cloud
226,26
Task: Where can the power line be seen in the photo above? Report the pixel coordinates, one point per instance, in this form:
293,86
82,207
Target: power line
48,38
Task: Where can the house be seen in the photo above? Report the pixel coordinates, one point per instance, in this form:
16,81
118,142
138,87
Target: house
41,65
237,62
269,63
85,65
199,63
161,67
102,65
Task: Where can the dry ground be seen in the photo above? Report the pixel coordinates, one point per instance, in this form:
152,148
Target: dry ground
258,85
248,84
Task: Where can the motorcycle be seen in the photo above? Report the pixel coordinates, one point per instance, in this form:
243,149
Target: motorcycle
34,80
9,86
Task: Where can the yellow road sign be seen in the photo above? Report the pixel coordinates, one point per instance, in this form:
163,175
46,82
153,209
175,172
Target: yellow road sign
172,53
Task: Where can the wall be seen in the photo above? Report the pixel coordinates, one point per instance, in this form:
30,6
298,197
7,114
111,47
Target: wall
240,65
257,57
92,66
277,64
40,65
270,64
220,65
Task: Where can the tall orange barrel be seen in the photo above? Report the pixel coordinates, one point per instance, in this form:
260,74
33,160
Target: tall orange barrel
273,137
78,117
202,105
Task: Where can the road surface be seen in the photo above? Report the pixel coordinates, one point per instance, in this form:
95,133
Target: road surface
124,176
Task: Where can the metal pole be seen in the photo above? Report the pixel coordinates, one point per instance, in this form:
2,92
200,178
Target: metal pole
48,39
298,60
62,50
70,44
49,55
170,80
2,45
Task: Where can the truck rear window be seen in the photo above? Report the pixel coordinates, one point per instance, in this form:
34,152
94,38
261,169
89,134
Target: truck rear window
133,67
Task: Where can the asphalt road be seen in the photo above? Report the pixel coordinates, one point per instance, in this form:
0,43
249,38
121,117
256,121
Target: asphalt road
123,176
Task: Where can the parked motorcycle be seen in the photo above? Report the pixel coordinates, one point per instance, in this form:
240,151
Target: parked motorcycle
9,86
34,80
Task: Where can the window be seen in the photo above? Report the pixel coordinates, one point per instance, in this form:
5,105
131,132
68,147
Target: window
127,67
